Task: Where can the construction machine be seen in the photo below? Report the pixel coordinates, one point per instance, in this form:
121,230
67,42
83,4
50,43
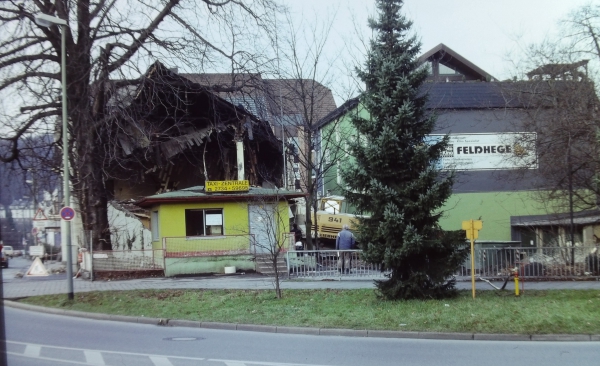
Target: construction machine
331,217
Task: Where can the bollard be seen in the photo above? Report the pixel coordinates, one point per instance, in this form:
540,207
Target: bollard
516,283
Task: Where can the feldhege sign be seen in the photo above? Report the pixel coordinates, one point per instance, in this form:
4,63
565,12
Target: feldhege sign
482,151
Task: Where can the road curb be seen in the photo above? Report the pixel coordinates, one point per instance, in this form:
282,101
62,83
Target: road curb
501,337
561,337
343,332
311,331
298,330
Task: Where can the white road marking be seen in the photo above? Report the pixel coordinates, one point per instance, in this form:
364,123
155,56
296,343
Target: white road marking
160,361
32,350
94,357
50,359
262,363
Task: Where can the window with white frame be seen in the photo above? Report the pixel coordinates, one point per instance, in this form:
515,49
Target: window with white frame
154,226
204,222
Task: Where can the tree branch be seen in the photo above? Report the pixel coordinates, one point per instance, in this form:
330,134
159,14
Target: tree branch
28,58
132,49
28,75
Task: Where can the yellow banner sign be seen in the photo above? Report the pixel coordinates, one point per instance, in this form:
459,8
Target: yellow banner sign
227,186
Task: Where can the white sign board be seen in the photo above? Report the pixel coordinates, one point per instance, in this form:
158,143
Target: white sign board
36,250
214,219
484,151
39,224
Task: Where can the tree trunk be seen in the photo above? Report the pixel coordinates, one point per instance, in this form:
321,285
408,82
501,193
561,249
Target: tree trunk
88,159
310,189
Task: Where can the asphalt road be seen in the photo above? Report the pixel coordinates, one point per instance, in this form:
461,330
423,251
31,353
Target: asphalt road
43,339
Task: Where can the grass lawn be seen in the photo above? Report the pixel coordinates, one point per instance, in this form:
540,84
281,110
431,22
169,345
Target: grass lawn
536,312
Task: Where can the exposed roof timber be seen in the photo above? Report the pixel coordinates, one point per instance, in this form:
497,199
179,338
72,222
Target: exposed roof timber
447,56
158,69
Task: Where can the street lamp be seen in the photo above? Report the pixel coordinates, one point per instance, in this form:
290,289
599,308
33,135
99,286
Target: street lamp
45,20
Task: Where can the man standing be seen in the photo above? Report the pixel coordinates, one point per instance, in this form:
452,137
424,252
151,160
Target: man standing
344,241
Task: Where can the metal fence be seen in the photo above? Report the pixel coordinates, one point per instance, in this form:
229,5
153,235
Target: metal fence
126,260
330,264
535,262
206,246
531,262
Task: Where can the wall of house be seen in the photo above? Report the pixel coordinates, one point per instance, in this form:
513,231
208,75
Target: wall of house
126,230
235,217
495,195
199,255
493,208
198,265
172,218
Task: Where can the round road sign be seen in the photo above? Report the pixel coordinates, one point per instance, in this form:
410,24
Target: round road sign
67,213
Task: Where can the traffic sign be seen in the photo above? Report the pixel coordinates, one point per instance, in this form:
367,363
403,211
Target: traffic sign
37,268
39,215
472,227
67,213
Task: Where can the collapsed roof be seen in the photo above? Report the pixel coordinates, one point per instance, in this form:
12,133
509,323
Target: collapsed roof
173,126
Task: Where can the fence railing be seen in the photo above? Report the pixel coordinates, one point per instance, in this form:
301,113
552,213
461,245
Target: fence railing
548,262
531,262
330,264
124,260
205,246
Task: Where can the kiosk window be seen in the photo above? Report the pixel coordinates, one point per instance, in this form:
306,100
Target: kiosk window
204,222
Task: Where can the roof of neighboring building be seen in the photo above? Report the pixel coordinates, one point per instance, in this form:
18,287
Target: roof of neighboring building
197,194
559,219
339,112
452,59
297,96
456,95
468,95
271,98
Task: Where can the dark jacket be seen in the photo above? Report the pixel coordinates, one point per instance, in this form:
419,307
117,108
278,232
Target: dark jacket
345,240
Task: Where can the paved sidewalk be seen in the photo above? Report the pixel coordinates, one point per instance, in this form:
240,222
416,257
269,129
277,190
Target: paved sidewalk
56,284
18,287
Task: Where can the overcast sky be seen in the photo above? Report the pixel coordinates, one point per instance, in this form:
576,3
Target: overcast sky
488,33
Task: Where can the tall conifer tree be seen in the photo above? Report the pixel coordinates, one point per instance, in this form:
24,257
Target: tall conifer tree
395,179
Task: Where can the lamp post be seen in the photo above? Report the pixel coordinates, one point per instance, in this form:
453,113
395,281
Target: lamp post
45,20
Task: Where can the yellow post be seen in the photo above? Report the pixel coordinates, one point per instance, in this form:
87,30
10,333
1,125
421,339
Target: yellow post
473,267
517,284
472,227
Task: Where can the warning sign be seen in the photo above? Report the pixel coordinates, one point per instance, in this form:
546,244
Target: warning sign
40,215
37,269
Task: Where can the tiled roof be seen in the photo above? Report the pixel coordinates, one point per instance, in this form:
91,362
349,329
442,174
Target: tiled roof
474,95
270,98
292,96
460,95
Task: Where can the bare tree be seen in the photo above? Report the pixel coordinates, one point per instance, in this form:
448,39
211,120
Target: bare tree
109,43
557,93
302,100
271,236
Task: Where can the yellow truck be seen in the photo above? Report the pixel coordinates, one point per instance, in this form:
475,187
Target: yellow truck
331,217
